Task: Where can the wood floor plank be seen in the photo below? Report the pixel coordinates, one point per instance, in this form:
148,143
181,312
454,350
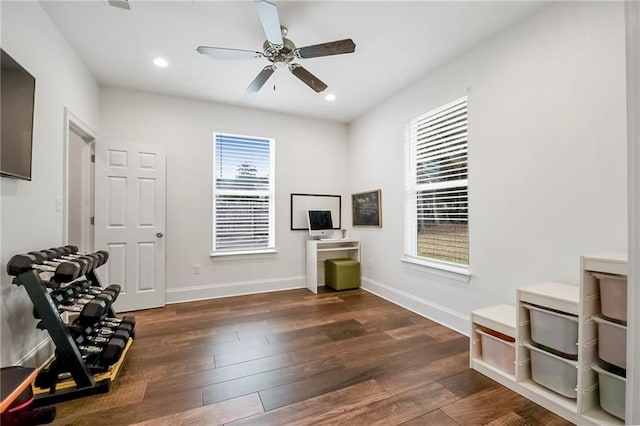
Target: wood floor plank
394,410
535,414
434,418
467,383
413,330
128,412
123,395
214,414
509,419
349,398
318,384
402,381
212,376
270,349
339,347
261,381
485,406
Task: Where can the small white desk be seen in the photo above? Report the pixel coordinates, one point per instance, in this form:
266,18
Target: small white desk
318,251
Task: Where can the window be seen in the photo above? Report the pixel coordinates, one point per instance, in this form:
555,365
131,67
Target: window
436,205
243,194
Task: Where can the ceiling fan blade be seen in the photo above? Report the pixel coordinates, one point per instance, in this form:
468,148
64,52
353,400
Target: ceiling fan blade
224,53
307,78
268,14
261,79
337,47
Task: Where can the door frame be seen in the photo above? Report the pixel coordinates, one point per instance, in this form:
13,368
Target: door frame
72,123
632,26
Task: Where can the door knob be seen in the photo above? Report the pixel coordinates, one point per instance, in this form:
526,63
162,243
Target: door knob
159,235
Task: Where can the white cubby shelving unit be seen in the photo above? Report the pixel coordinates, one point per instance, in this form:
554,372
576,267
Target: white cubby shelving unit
581,302
613,264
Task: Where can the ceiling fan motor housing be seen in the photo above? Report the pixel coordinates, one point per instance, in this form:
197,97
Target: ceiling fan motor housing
284,55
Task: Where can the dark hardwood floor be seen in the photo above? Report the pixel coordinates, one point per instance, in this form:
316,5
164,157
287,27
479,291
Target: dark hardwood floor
295,358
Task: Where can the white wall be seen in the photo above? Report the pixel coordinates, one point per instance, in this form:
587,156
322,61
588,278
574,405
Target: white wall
546,154
30,220
310,158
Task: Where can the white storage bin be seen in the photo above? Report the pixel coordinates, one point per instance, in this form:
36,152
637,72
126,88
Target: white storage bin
612,392
498,353
555,330
554,372
612,342
613,296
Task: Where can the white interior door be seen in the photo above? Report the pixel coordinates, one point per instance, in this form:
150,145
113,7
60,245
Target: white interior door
130,221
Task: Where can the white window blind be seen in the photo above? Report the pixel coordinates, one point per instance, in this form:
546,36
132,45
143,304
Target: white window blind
243,193
436,202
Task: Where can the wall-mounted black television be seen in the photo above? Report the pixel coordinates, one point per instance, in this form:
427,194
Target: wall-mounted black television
17,93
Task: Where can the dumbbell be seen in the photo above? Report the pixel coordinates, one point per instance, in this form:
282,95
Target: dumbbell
88,261
96,339
108,352
102,328
85,291
83,299
96,309
63,272
105,331
90,307
128,323
95,290
64,296
101,256
52,257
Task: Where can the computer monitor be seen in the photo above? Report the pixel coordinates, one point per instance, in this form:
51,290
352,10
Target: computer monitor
320,223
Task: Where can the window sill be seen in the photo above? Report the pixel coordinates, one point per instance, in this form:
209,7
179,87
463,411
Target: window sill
242,252
441,269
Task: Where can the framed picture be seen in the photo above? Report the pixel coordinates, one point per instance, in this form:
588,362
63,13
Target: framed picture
301,203
367,208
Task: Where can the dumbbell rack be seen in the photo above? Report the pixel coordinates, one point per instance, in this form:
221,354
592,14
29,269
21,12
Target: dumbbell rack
68,356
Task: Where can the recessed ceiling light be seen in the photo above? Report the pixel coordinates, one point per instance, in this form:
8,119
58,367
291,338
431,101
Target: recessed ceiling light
330,97
161,62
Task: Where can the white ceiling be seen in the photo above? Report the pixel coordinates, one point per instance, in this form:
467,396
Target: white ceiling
397,43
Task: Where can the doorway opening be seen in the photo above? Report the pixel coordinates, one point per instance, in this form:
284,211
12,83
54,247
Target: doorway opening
79,183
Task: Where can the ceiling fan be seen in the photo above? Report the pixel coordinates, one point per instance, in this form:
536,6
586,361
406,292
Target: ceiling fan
280,51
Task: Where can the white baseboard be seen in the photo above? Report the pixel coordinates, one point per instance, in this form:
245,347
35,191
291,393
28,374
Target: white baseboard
38,356
438,313
238,288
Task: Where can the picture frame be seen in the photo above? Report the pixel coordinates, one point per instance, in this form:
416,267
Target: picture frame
366,208
301,203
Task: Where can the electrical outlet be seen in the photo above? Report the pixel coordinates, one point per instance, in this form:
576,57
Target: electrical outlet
58,204
196,269
370,263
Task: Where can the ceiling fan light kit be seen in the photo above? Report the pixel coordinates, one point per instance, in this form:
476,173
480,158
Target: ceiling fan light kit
279,50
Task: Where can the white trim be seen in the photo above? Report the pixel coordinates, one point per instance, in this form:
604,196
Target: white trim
632,16
40,355
72,123
270,192
242,252
421,150
448,270
238,288
438,313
